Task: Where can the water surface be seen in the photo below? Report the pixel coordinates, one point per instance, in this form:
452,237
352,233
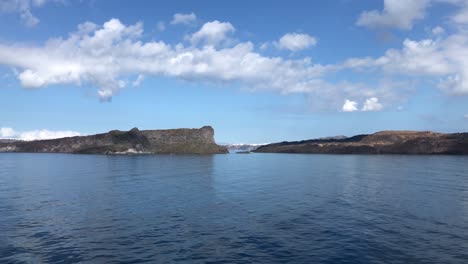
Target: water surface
267,208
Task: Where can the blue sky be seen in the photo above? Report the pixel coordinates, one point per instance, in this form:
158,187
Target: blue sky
257,71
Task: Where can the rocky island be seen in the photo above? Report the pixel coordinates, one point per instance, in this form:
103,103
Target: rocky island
170,141
385,142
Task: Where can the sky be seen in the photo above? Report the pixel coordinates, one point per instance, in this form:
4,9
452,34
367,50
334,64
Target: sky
257,71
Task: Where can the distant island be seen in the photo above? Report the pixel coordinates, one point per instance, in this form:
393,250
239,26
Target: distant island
201,141
234,148
170,141
384,142
7,140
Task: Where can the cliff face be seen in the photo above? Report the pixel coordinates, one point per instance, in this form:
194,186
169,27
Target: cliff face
385,142
171,141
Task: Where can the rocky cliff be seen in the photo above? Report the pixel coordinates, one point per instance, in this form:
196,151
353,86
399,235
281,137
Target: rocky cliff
385,142
170,141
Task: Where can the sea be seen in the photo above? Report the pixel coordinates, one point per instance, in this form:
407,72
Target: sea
230,208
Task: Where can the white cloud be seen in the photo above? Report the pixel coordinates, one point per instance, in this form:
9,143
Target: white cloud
295,42
350,106
396,13
418,57
445,60
466,116
138,80
402,14
438,30
461,17
23,9
372,104
185,19
46,134
212,33
6,132
105,55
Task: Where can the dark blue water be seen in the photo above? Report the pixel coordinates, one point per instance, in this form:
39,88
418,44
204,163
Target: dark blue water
261,208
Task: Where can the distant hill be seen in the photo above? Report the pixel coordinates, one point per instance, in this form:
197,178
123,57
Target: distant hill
385,142
242,147
7,140
170,141
332,138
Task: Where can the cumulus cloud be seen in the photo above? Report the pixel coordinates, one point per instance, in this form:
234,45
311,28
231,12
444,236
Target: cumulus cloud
212,33
295,42
7,132
350,106
403,14
107,56
396,13
466,116
372,104
185,19
446,60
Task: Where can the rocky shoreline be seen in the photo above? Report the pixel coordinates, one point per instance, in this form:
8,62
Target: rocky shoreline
384,142
201,141
170,141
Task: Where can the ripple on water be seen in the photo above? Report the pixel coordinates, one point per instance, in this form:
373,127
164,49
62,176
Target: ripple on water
262,208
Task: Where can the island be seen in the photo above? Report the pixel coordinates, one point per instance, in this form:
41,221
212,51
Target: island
384,142
169,141
235,148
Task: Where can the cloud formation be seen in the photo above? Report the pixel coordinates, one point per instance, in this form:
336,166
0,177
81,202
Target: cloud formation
212,33
461,17
23,9
403,14
185,19
106,55
349,106
372,104
113,56
7,132
295,42
445,60
396,13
